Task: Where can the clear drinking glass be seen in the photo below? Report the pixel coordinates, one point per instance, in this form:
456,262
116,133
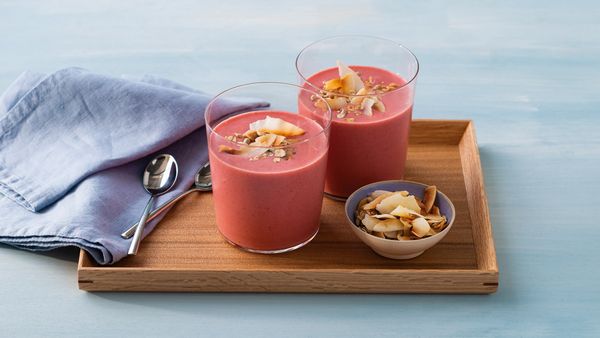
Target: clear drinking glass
267,196
363,149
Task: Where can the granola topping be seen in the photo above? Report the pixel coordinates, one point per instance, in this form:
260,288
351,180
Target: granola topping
268,138
352,95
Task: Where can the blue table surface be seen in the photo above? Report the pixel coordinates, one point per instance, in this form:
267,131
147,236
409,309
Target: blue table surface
527,73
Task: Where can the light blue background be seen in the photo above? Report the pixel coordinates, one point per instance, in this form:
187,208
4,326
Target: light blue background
527,72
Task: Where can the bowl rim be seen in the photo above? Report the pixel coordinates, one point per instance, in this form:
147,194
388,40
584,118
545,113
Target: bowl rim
387,240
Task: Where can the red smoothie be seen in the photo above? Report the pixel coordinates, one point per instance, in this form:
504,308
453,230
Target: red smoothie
365,149
267,204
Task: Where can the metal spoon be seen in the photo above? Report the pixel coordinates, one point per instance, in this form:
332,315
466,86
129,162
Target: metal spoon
202,182
159,177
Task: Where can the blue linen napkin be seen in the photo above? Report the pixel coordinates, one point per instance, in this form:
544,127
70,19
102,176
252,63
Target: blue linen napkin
73,146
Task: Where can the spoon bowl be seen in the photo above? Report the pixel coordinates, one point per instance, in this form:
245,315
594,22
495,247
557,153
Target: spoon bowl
159,177
203,179
202,182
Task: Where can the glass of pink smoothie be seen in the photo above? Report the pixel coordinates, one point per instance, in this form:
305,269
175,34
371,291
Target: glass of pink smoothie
268,166
369,83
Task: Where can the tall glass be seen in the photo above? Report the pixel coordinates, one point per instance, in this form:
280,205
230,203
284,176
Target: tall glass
365,145
268,166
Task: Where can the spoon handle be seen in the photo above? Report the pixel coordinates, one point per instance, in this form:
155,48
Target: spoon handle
129,232
137,236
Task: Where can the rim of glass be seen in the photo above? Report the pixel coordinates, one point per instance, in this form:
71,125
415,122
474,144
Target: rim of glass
305,80
325,128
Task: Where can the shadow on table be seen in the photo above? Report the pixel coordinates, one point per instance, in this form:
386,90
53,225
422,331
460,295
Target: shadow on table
499,177
69,254
286,306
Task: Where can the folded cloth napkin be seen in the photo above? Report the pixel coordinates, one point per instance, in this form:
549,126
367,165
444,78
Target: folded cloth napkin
73,146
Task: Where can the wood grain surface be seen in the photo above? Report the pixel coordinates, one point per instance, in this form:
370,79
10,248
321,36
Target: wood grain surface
187,253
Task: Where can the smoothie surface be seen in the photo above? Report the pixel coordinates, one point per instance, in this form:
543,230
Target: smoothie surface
308,147
394,101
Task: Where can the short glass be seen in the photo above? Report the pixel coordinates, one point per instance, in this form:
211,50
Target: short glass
267,196
363,149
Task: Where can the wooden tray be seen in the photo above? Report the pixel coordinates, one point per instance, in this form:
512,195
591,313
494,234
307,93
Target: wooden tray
186,253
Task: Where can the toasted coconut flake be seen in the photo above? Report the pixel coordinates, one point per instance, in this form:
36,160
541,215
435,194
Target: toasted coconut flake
420,227
357,100
434,220
379,106
390,203
406,227
368,103
249,152
320,103
363,202
373,203
280,153
367,106
229,150
254,153
351,82
404,212
378,234
384,216
333,84
429,198
277,126
337,103
377,193
279,140
251,134
369,222
440,226
411,203
389,225
266,140
401,237
391,234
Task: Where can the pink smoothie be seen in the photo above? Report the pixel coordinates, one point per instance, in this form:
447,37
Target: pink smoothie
265,205
369,148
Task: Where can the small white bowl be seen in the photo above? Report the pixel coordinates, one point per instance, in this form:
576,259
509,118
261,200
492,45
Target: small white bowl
393,248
